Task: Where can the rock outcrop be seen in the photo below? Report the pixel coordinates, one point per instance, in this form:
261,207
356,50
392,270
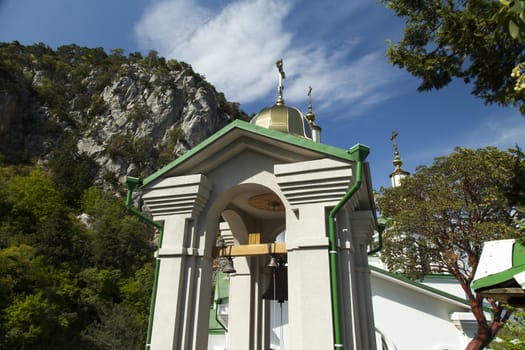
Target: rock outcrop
130,115
147,117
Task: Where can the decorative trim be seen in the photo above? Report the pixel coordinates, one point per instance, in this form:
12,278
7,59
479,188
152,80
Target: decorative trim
178,195
179,251
316,181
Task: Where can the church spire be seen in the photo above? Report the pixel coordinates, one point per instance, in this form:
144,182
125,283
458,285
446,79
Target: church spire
398,174
310,116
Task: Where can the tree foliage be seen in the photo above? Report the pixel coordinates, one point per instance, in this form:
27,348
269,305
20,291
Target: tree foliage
516,191
464,39
66,283
117,240
440,217
511,336
25,193
73,172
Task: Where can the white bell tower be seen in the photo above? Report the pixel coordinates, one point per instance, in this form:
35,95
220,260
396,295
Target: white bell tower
263,178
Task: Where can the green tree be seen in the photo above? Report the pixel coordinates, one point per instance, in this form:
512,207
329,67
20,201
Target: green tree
136,295
516,190
35,195
20,272
27,202
117,240
73,173
120,318
512,335
440,217
99,288
39,308
117,329
59,238
464,39
30,321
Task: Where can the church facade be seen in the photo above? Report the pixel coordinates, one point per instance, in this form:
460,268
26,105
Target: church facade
268,196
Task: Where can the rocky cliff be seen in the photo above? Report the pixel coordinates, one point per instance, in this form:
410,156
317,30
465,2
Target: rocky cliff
130,115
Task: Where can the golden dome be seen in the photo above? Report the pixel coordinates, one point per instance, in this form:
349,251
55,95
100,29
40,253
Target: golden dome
283,118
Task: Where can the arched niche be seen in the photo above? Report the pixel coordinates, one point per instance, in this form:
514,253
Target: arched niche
249,208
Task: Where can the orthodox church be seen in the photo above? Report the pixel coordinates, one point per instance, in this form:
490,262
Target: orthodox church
264,244
432,314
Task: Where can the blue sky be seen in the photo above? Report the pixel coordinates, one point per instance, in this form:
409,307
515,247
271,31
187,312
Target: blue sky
337,47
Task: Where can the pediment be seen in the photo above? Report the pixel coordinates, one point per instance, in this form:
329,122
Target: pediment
240,138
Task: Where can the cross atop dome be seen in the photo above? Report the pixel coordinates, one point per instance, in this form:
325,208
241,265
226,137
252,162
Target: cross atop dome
286,118
282,76
398,174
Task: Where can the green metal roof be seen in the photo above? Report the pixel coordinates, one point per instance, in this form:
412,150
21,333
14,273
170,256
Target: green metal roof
494,280
352,154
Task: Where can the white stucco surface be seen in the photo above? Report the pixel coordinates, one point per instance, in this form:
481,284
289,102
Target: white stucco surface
412,318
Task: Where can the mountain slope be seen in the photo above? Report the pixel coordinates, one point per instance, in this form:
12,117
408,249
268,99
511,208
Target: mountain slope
129,115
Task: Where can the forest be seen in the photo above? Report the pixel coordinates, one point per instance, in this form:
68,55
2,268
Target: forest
76,269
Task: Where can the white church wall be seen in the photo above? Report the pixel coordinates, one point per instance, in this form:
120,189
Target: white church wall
445,283
442,282
410,319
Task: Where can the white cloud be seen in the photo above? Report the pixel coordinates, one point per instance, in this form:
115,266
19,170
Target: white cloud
501,130
236,48
168,24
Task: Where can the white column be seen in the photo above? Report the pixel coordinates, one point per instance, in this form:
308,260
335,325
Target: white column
309,291
240,307
310,188
348,289
362,229
309,305
185,272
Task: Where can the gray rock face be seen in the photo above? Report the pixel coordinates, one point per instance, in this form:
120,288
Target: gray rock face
143,113
130,115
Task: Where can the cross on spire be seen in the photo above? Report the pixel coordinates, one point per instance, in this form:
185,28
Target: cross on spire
282,76
394,140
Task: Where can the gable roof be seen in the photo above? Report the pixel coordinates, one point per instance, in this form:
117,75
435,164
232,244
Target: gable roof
509,269
271,139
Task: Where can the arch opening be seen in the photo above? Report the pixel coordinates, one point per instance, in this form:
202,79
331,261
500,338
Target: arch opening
248,215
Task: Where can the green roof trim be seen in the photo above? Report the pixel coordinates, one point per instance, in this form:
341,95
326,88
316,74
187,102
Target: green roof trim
518,266
352,154
497,278
214,327
419,285
439,276
518,254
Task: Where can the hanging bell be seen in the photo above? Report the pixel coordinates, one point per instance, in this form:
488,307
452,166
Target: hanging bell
228,266
278,288
272,263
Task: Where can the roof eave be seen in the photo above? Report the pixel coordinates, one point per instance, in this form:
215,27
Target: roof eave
352,154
